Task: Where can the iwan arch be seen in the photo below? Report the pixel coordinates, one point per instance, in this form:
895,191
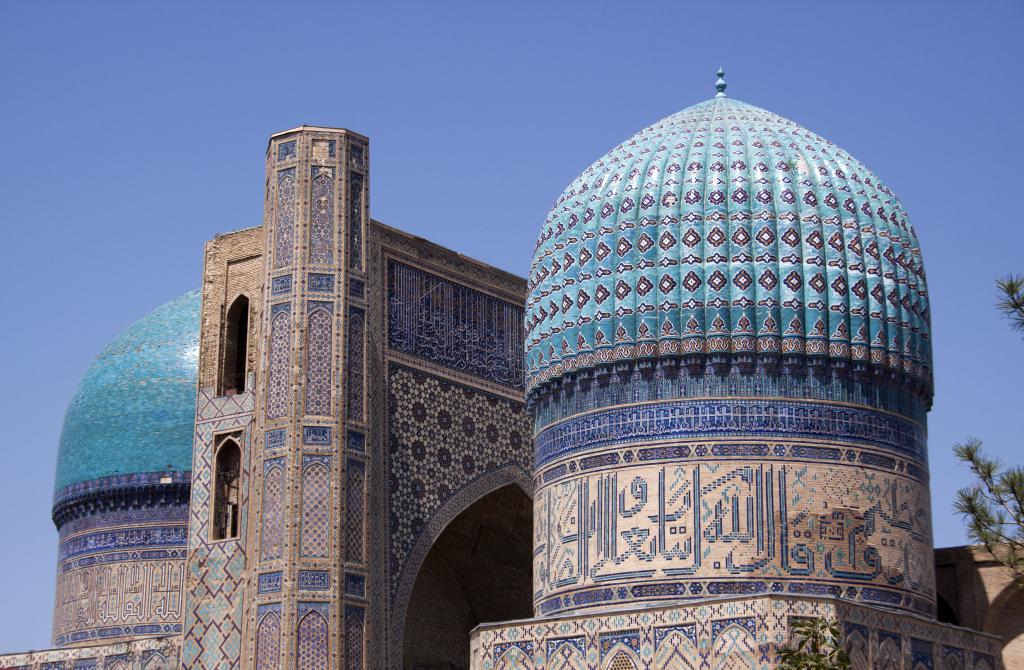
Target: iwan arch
701,415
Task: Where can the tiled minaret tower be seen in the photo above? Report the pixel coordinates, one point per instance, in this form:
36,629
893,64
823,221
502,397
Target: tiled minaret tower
309,471
729,366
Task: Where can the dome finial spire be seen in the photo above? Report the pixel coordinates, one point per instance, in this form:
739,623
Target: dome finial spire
720,84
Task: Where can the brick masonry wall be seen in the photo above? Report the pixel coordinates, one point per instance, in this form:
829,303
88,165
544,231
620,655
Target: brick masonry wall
977,591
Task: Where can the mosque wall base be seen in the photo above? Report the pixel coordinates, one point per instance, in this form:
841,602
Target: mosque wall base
735,633
158,653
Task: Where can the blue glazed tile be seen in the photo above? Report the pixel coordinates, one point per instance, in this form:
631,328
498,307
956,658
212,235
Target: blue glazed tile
134,409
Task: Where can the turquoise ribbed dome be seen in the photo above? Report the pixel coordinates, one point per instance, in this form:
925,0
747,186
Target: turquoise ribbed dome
726,229
134,410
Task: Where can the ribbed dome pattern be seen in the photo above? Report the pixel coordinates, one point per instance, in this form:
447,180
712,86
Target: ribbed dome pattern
726,229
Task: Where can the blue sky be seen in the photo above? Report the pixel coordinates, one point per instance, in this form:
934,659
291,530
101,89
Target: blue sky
134,132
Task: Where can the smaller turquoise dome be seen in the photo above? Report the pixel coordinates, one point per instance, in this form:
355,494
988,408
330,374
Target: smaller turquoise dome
134,410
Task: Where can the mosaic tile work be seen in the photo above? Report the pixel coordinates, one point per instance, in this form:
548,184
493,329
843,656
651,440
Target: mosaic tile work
316,497
354,637
139,391
726,229
319,336
121,575
216,575
888,435
285,225
312,637
355,223
272,521
319,282
629,384
299,501
146,654
355,510
321,223
355,405
430,450
745,498
123,480
725,634
280,356
442,436
454,326
268,637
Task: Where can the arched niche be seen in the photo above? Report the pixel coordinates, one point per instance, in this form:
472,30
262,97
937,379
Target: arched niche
477,570
235,347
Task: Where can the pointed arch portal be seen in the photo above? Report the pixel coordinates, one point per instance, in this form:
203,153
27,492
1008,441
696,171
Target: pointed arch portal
478,570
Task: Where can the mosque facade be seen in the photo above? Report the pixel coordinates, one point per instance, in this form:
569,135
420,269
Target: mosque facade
701,416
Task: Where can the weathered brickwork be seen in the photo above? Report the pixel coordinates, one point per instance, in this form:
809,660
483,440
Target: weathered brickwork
233,267
979,592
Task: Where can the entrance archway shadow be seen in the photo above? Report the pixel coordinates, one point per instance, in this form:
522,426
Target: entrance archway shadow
478,570
1004,619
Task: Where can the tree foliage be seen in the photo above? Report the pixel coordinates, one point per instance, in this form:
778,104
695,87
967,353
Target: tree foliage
993,507
1011,300
818,646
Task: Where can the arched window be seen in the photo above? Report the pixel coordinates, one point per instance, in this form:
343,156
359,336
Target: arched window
235,348
227,470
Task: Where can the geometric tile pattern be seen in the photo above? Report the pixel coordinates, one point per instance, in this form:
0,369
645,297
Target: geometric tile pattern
737,633
318,359
442,436
726,229
448,422
268,637
278,382
355,364
321,223
285,225
216,570
272,518
886,435
354,638
666,380
316,504
676,647
299,507
354,225
312,639
355,484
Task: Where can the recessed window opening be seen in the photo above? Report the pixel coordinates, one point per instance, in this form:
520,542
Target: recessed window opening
236,344
226,503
